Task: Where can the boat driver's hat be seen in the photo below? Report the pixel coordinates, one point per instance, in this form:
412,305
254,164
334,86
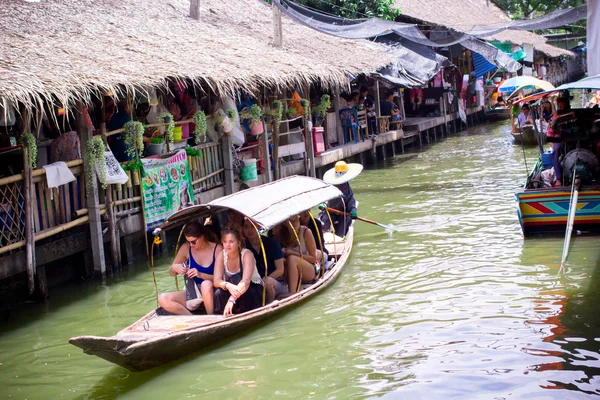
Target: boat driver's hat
342,173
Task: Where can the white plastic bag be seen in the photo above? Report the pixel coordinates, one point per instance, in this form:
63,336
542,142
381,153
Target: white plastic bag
114,171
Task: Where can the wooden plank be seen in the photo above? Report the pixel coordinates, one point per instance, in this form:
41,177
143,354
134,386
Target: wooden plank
291,149
29,228
68,210
49,207
36,207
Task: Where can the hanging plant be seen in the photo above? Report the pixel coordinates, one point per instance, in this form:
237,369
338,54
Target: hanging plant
254,113
324,105
200,122
28,141
134,138
231,114
277,111
167,118
133,165
94,156
306,105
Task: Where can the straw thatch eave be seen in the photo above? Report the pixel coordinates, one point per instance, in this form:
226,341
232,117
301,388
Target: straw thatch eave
465,14
66,50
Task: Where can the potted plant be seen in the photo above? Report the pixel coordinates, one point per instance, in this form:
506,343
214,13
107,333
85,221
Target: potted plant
156,144
254,114
320,111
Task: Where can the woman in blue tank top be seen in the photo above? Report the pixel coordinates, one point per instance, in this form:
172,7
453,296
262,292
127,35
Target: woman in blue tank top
195,259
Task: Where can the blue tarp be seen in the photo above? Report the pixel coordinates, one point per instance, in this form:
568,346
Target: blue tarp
482,66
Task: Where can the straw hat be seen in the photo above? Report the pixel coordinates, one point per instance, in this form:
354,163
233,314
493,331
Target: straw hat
342,173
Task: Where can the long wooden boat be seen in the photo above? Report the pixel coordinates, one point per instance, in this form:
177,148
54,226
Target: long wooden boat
525,136
545,210
498,114
156,339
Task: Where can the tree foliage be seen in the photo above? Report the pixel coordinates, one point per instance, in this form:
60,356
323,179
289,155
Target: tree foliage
355,8
525,9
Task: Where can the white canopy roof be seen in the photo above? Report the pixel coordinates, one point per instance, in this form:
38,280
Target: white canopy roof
267,205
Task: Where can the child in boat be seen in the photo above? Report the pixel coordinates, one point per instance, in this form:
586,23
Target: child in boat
302,259
274,269
238,283
195,260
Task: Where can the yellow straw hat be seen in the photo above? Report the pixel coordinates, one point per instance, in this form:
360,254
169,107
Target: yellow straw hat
342,173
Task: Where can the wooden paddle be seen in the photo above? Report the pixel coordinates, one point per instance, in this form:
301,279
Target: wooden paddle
333,210
570,220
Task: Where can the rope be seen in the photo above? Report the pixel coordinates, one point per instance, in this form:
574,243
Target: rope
332,230
177,251
262,248
301,257
155,241
320,244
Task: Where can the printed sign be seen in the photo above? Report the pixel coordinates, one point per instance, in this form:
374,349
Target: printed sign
166,188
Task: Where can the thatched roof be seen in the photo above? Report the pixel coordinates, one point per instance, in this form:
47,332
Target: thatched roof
463,15
68,49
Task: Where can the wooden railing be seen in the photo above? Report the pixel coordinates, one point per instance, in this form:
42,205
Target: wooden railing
54,209
208,170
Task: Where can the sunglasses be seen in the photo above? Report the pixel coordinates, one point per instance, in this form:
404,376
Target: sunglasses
192,242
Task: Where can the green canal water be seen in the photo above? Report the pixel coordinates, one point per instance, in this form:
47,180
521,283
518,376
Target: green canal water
458,305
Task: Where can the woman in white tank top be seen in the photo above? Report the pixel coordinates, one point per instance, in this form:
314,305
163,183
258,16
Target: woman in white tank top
239,285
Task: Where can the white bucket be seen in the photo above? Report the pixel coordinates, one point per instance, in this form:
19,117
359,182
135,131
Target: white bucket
249,172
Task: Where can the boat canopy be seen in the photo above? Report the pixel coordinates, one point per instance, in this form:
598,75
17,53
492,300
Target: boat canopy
267,205
591,82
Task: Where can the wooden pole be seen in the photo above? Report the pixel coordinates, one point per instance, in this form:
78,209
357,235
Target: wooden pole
336,106
266,156
195,9
228,164
275,149
29,225
277,27
112,221
377,101
310,151
92,199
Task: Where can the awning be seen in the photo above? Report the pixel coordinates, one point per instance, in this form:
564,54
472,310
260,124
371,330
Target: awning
267,205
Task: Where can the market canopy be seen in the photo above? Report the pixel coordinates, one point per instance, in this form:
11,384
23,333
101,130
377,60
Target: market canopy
520,82
267,205
592,82
375,28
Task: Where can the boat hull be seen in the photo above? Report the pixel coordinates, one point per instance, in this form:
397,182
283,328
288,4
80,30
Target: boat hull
545,211
155,340
498,114
526,137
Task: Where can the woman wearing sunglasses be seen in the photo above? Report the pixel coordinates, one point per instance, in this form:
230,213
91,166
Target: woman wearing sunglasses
195,260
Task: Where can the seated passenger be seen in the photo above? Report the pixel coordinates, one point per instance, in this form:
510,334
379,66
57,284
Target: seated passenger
302,259
275,260
316,227
240,287
553,136
195,259
235,220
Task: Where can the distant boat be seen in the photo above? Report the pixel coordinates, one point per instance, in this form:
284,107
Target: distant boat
497,114
525,136
157,339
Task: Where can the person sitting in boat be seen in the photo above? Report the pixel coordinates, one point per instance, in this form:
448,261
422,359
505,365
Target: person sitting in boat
339,176
196,260
525,117
553,136
316,227
302,259
274,269
500,102
239,285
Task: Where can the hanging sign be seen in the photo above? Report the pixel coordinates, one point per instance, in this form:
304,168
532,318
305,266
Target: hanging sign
166,188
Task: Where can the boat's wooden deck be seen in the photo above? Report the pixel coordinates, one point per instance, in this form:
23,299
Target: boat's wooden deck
172,323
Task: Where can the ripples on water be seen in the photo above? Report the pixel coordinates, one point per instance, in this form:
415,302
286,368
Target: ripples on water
456,306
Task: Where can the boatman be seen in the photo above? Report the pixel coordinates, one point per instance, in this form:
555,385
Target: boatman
339,176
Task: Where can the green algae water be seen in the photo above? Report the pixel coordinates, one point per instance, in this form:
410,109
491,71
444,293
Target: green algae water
458,305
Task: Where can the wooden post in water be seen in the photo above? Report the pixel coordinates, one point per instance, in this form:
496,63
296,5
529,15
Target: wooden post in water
445,111
113,229
92,198
195,9
277,27
29,226
275,149
310,151
336,106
